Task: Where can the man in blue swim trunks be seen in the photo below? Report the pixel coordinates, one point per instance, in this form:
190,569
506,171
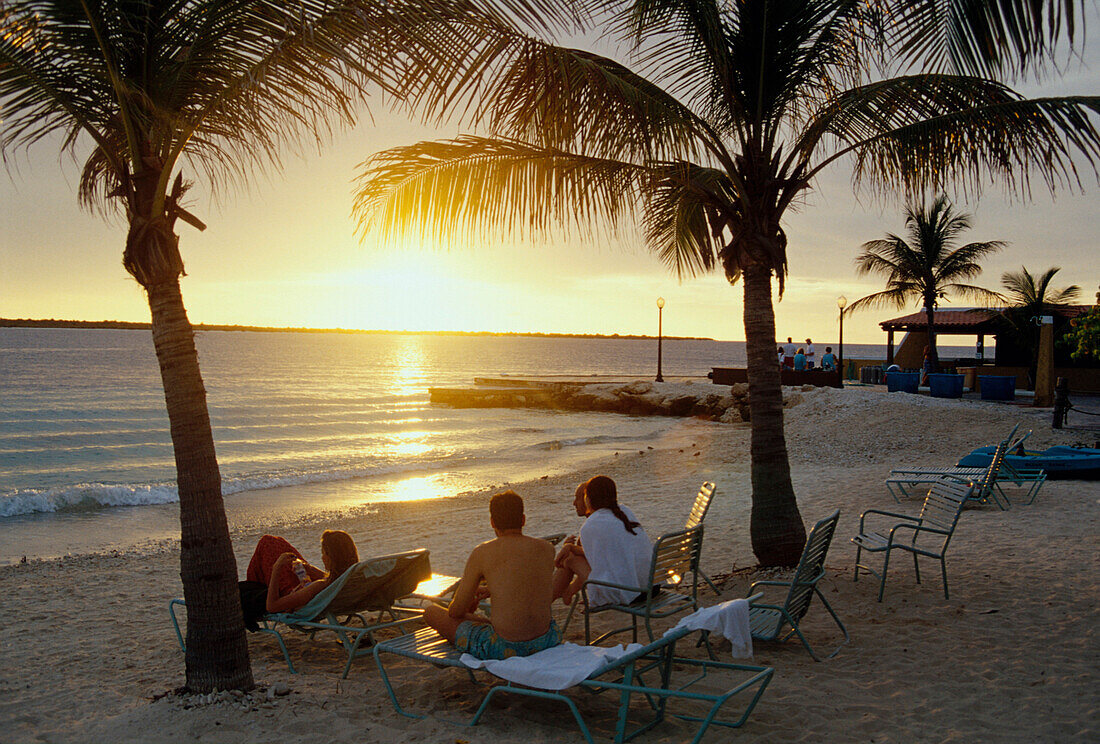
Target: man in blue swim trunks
517,571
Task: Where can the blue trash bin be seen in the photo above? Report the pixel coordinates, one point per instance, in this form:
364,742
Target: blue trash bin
997,387
945,385
902,382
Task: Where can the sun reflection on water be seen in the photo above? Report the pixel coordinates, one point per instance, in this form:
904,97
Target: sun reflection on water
412,489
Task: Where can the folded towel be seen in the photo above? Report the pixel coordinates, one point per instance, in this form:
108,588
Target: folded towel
555,668
729,619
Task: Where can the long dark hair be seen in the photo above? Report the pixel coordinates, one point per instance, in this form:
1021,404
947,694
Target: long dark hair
601,494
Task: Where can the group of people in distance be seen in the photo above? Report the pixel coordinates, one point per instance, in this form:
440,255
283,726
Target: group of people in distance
802,357
521,574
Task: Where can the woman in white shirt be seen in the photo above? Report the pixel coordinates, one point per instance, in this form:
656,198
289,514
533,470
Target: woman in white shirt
612,547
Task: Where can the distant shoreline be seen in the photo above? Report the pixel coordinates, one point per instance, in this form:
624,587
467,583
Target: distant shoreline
131,326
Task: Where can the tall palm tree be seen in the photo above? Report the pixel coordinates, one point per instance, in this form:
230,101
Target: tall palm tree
928,266
150,89
734,110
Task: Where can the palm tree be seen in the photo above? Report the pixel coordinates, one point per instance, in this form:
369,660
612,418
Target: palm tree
1033,294
1029,296
928,267
152,88
735,110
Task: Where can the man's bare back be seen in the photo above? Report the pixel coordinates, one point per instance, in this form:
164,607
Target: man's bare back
517,570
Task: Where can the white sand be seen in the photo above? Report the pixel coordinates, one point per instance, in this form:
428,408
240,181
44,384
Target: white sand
1012,656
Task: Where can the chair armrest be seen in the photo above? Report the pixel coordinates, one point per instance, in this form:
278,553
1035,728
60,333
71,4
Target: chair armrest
895,515
764,582
638,589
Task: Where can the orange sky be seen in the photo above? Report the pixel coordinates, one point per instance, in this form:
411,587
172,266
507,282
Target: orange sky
285,254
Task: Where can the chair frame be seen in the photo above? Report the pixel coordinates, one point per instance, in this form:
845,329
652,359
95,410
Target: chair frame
675,555
769,620
626,678
355,639
938,516
698,513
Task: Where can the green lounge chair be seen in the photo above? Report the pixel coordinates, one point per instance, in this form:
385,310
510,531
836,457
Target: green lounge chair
902,481
625,676
936,522
372,585
769,621
667,591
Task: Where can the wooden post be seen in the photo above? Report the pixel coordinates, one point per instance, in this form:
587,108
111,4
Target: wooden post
889,347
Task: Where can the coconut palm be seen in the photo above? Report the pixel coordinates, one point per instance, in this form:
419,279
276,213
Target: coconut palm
149,89
928,266
734,110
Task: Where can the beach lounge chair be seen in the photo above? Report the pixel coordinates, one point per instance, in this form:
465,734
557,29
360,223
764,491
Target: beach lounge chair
698,513
936,523
902,481
667,591
984,480
646,671
372,585
769,621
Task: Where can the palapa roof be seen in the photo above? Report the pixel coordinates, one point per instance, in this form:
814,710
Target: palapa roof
967,320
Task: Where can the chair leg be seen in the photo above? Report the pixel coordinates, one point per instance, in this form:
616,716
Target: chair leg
943,567
836,619
916,567
859,550
710,583
882,584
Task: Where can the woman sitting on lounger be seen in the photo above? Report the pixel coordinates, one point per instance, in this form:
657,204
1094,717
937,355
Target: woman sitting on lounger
612,547
273,561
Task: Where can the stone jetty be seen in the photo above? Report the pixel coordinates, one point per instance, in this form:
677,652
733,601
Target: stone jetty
729,404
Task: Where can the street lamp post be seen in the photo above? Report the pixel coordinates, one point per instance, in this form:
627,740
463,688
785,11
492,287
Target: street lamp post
660,310
841,302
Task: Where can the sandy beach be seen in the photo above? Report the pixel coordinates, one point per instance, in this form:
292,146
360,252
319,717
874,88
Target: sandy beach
88,652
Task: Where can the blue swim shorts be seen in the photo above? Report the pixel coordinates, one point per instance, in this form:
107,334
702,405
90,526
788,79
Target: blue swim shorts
482,641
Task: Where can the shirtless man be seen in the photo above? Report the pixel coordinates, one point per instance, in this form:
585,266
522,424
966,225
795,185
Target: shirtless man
516,570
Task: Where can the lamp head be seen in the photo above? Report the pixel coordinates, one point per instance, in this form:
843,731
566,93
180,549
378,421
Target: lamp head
660,302
842,302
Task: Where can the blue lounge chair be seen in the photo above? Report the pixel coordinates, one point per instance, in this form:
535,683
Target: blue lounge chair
627,676
937,521
769,621
373,585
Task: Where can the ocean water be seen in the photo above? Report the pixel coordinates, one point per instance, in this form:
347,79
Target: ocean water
86,460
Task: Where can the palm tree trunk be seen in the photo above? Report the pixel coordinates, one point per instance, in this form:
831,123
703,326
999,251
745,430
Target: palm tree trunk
933,353
778,535
217,650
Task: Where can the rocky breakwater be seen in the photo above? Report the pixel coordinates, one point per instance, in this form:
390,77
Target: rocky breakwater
636,398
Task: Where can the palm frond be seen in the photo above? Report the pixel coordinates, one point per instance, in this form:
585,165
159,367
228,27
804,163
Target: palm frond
987,38
683,216
887,298
572,99
472,187
925,131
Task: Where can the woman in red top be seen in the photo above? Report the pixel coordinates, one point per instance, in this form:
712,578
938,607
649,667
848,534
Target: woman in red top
272,565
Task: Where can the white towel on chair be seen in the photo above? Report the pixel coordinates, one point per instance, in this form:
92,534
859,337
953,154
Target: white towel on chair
729,619
555,668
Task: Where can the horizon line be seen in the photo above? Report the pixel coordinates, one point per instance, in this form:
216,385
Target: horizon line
144,325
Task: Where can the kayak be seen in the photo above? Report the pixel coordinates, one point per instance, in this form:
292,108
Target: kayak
1066,463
